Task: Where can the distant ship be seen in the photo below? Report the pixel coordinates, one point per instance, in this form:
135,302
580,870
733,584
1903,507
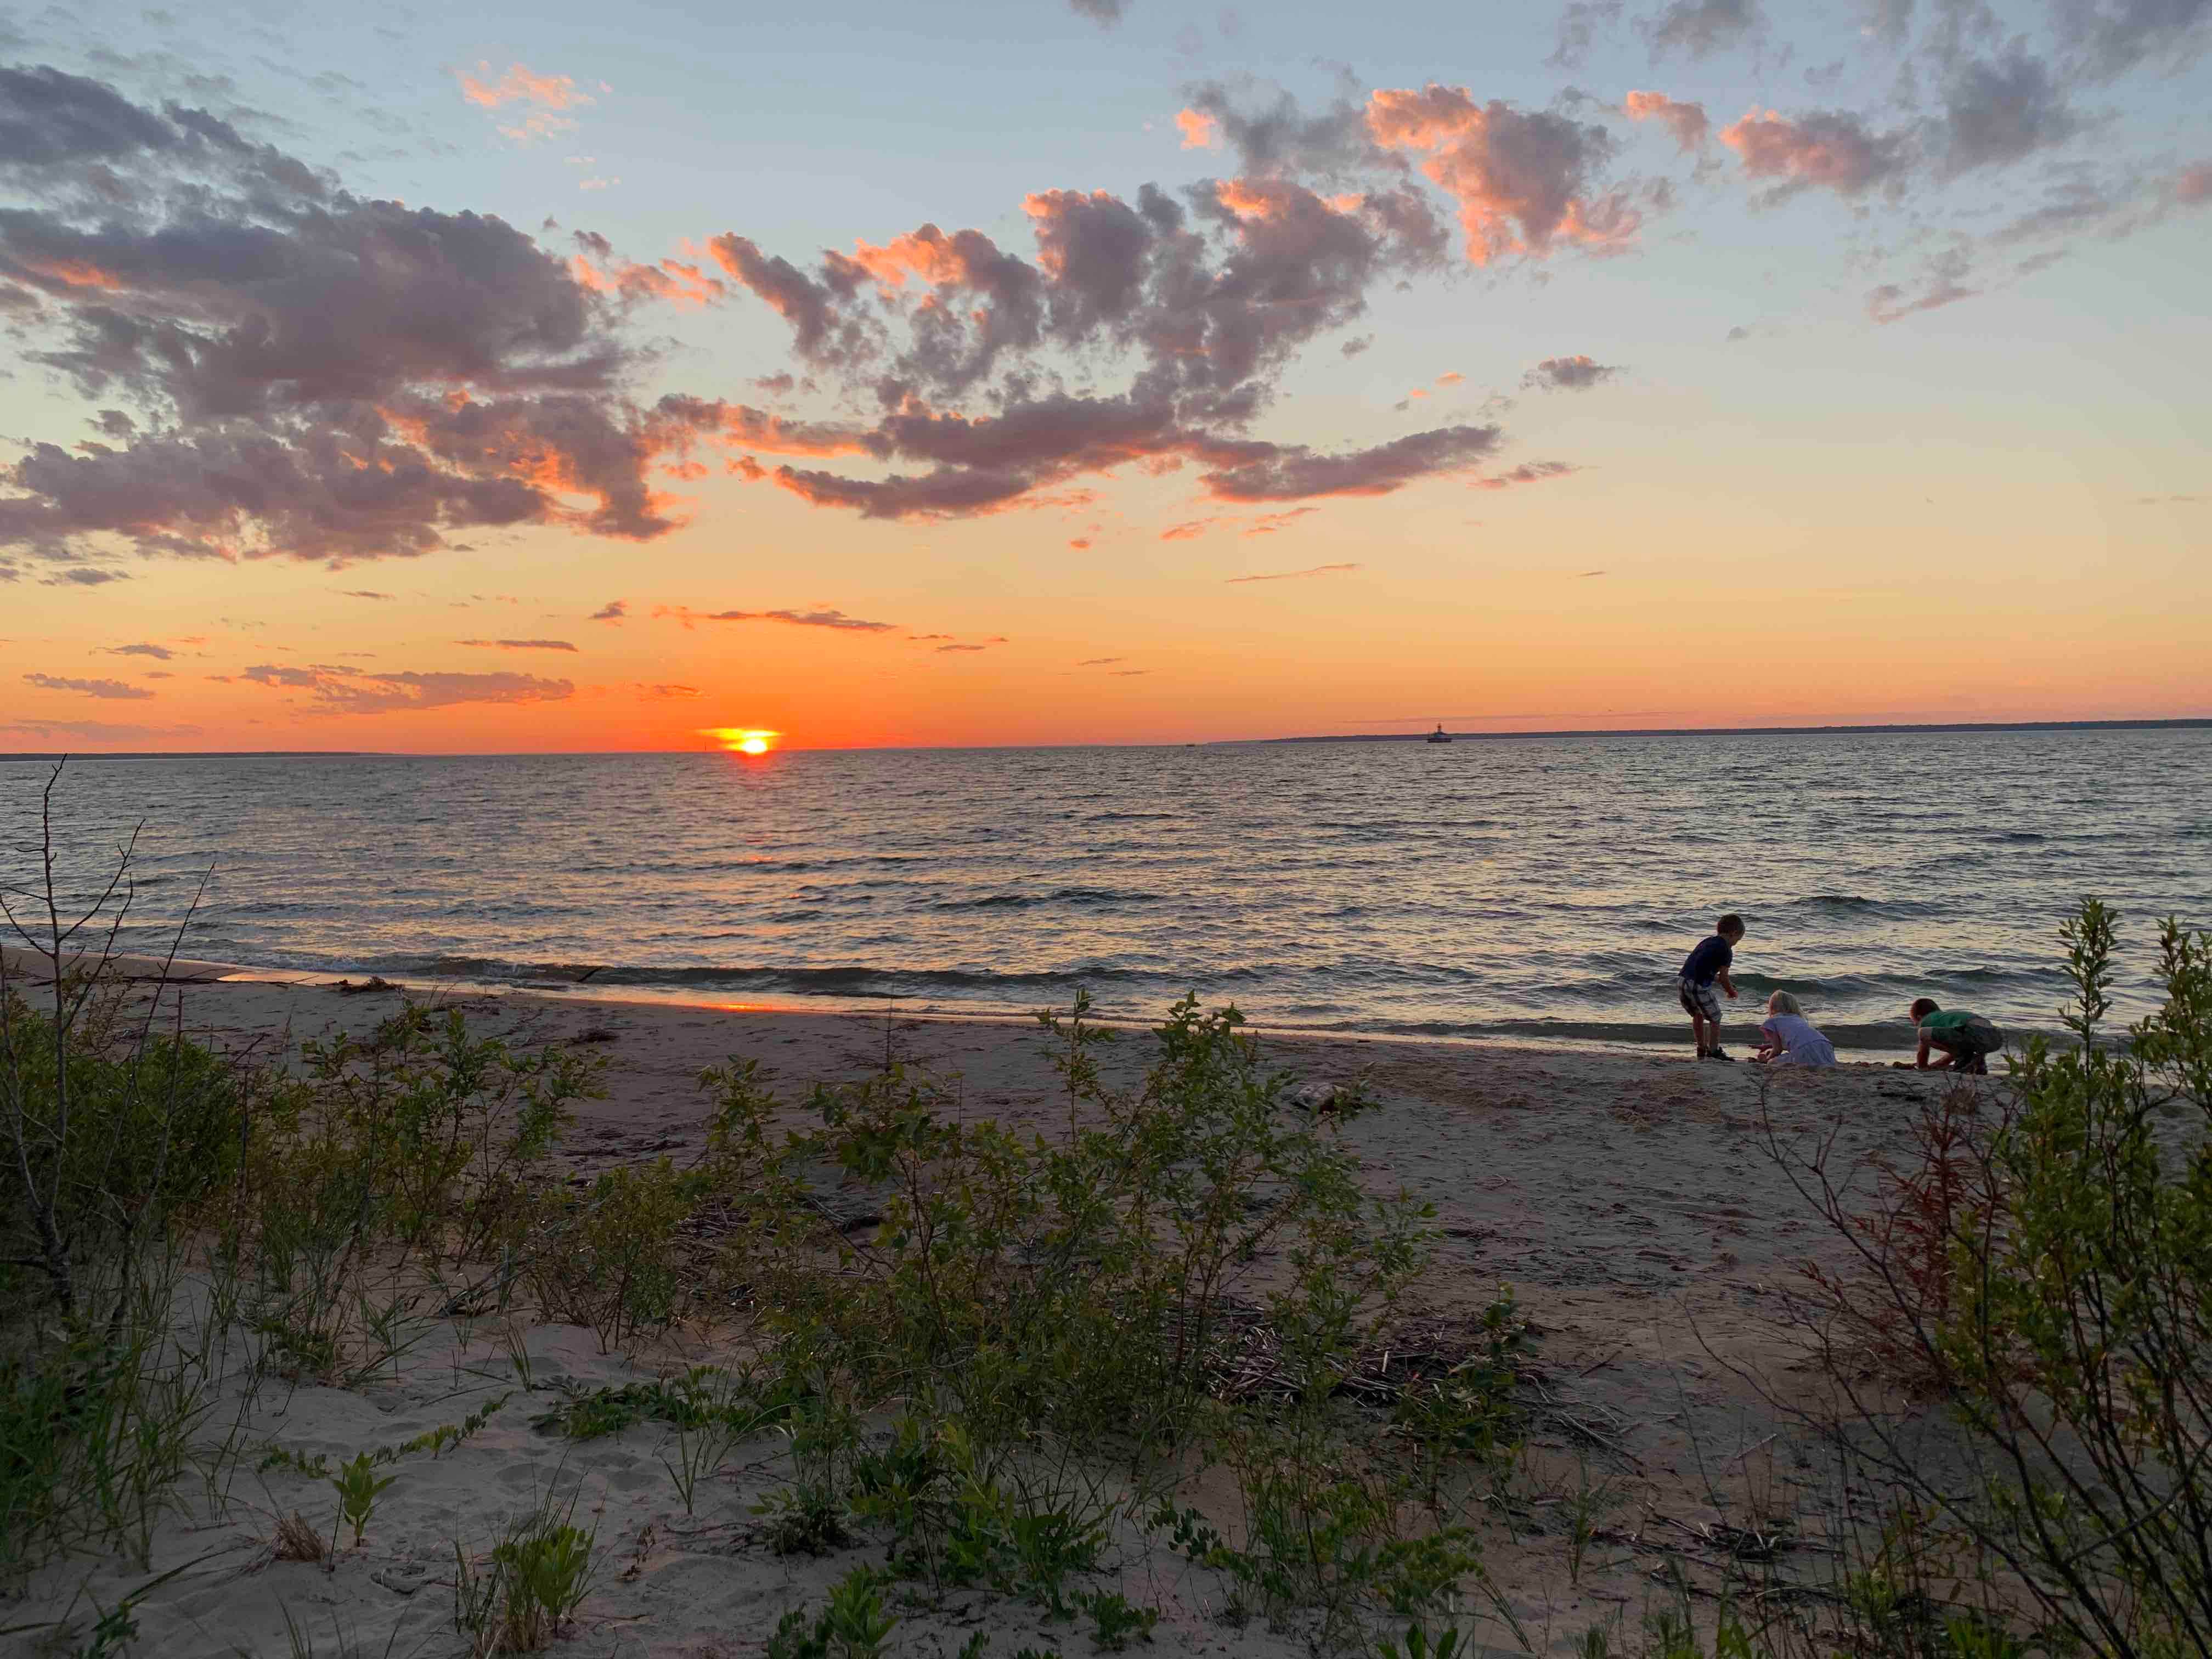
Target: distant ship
1440,735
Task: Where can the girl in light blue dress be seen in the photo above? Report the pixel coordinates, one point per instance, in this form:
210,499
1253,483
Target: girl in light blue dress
1788,1038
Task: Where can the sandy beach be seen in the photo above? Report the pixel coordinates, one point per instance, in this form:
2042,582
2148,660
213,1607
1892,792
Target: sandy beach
1628,1201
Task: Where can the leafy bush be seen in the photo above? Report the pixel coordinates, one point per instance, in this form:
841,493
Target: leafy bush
612,1258
2072,1334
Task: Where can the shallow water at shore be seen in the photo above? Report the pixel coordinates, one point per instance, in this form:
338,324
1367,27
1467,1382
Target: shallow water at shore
1536,888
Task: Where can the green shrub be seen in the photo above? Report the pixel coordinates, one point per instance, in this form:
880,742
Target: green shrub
2073,1339
612,1259
528,1585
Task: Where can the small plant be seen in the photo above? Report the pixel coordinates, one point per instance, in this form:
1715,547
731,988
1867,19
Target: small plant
851,1625
1115,1622
1418,1645
358,1486
529,1586
713,1415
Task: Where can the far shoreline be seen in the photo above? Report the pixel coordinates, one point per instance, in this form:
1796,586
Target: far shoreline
2191,723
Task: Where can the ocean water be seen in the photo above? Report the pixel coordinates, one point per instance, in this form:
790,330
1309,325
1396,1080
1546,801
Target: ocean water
1542,887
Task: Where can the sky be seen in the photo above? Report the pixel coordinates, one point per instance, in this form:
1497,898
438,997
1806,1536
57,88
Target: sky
1097,371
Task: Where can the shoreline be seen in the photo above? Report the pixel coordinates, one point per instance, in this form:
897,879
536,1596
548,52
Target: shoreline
1866,1046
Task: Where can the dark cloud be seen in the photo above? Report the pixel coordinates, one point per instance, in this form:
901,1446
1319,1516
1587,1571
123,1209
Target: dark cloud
1296,473
1099,662
2111,37
520,645
159,653
1703,26
1577,373
48,117
963,647
316,375
363,594
1997,111
1579,26
359,691
612,611
1104,13
111,688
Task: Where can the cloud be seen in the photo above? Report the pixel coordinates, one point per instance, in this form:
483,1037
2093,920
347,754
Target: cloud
117,689
363,594
1687,121
612,611
1945,284
1523,180
815,618
1099,662
1829,149
159,653
963,647
1291,575
1268,523
545,96
1451,377
359,691
1999,111
1577,373
1701,28
521,645
521,84
324,376
1199,131
1579,25
1189,530
2111,37
1296,473
1104,13
1526,473
2193,184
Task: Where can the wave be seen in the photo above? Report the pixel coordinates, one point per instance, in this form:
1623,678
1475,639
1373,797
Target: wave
1075,896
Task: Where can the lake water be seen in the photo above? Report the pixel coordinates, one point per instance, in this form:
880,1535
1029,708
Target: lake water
1543,888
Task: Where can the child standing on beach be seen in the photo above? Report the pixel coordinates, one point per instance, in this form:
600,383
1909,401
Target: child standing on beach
1788,1038
1708,964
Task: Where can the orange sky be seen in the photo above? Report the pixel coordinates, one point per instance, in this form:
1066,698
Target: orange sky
1784,416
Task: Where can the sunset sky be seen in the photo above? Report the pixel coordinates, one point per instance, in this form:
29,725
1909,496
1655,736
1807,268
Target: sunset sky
491,379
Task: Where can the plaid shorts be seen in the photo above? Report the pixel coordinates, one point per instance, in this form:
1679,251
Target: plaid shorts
1700,1001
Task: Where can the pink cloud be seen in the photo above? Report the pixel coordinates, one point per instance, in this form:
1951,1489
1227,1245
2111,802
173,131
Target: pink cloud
1292,575
521,84
2195,184
1522,179
1687,121
1190,530
1199,131
1826,149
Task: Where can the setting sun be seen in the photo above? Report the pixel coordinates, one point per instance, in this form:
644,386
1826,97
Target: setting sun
742,739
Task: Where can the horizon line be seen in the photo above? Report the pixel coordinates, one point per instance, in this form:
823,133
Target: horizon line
2147,723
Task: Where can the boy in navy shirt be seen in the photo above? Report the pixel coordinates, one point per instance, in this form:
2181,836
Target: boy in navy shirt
1710,963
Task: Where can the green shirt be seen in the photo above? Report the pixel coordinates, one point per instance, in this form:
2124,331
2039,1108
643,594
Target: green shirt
1944,1021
